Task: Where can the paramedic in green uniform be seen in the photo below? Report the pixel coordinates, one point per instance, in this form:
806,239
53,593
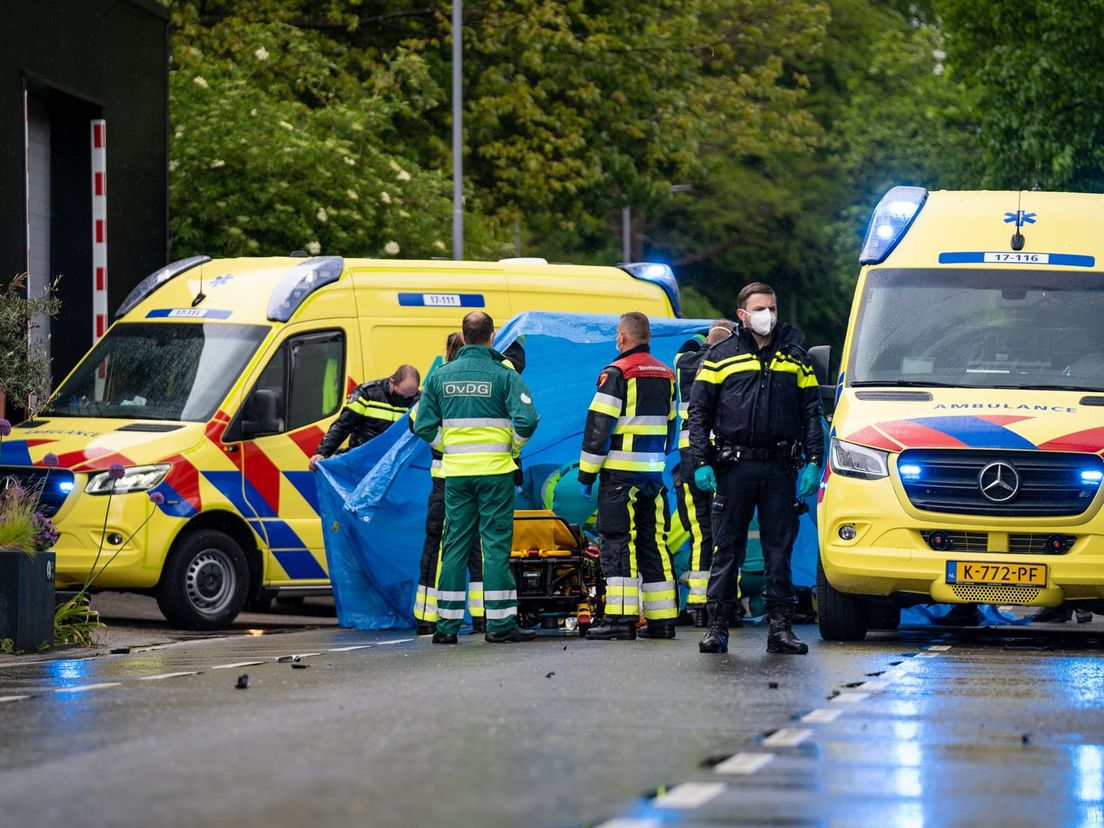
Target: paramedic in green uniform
479,414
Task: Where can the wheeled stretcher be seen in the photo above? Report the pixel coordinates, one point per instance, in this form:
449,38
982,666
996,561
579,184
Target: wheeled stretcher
559,583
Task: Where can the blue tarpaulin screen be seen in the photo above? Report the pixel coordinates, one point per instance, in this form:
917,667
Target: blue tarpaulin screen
373,498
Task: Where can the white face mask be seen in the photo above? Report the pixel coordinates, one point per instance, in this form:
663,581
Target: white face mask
762,321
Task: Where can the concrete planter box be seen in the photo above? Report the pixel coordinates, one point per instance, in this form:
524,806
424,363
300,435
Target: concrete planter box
27,599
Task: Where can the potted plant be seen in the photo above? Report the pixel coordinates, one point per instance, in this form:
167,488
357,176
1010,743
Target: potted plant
26,565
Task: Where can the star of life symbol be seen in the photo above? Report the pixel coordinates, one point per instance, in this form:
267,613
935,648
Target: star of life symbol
999,482
221,280
1025,218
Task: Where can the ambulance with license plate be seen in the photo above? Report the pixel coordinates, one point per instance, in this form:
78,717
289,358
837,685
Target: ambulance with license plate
965,451
215,385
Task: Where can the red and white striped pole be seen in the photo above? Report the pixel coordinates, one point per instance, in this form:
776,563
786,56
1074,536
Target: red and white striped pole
99,228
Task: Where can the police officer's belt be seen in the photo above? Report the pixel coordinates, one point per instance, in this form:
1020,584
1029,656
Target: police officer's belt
727,453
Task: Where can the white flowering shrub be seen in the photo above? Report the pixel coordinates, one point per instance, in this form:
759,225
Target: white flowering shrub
273,146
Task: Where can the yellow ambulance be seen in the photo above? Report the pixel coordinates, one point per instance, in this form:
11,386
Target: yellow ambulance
965,458
215,385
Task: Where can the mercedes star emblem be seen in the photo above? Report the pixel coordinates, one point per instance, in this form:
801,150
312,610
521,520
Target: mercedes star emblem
999,482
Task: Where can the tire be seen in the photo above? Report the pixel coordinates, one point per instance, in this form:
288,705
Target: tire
882,617
205,581
841,617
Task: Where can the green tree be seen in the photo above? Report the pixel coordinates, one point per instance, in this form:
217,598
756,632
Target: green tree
276,145
1037,71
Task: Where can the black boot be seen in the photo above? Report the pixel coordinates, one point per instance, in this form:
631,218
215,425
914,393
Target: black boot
1052,615
610,629
716,637
658,629
444,638
780,635
479,625
701,617
426,628
513,636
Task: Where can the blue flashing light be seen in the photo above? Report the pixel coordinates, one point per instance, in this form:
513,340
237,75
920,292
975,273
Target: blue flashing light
65,486
910,471
891,220
1092,476
657,274
300,282
155,280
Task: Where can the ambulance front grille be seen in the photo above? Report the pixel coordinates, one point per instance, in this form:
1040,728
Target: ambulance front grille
1050,483
985,594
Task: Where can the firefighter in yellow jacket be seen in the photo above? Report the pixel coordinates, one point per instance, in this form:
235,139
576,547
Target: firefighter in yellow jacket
630,428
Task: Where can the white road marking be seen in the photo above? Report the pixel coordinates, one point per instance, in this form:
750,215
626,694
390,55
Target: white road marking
690,794
787,737
850,698
874,686
236,664
745,764
631,822
350,649
396,641
12,698
822,715
926,654
169,675
82,688
297,656
941,648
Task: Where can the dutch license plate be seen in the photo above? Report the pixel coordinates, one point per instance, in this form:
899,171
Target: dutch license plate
1015,574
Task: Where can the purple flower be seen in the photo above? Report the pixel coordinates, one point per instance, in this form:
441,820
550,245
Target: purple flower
156,498
116,471
5,427
46,535
50,460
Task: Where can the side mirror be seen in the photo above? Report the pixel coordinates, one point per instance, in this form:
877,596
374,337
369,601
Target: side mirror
820,355
260,416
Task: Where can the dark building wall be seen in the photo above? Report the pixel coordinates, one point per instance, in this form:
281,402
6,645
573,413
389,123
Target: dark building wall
87,59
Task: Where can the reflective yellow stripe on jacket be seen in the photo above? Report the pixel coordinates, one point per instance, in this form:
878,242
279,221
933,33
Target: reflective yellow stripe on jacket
478,445
376,410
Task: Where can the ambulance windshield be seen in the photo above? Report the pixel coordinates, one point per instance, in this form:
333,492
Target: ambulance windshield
980,329
158,371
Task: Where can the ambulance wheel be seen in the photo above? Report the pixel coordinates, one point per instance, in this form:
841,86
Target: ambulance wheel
841,617
205,581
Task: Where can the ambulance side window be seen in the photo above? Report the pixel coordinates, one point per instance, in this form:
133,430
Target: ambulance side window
316,377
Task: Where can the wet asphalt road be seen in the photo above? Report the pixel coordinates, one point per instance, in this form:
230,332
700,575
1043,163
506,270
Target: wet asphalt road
915,728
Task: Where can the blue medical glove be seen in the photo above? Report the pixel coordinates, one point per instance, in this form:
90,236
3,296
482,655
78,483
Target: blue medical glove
587,490
705,479
808,480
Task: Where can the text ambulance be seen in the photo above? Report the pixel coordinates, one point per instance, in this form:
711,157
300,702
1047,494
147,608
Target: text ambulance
965,460
216,384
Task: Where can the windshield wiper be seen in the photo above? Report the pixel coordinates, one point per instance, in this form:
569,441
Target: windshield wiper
895,383
1053,388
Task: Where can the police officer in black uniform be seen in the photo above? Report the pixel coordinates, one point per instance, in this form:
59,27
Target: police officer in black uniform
370,410
757,396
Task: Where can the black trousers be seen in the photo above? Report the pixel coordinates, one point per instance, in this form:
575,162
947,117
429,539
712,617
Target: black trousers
633,520
694,507
743,487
